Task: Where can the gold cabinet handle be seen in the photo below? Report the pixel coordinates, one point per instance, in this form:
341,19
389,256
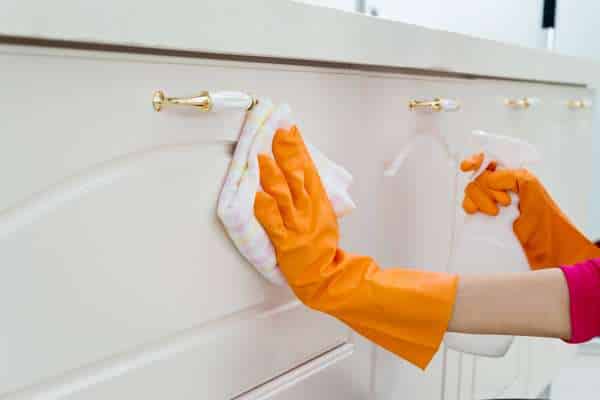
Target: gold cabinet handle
523,103
205,101
437,104
578,104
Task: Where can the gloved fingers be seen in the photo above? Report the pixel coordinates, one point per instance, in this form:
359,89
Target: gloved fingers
291,141
502,179
289,149
469,205
292,157
501,197
484,201
472,163
267,213
274,183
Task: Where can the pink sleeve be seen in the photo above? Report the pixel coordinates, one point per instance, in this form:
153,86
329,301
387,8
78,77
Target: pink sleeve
583,280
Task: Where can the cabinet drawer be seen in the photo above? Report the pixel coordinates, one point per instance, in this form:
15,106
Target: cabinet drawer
114,261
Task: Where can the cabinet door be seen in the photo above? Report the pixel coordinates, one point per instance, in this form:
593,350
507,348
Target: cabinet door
119,280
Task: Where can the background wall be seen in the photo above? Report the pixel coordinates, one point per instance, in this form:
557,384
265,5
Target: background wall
577,28
347,5
512,21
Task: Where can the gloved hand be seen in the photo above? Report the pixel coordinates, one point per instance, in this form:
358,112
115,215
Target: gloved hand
548,238
405,311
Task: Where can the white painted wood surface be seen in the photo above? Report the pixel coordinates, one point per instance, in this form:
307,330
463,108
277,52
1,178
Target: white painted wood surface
286,29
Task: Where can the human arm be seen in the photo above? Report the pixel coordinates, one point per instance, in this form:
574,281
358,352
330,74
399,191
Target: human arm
521,304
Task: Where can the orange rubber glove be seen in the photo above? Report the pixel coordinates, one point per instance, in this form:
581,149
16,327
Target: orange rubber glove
547,236
405,311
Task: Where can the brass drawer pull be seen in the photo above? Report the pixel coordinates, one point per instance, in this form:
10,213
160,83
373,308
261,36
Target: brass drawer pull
523,104
579,104
437,104
205,101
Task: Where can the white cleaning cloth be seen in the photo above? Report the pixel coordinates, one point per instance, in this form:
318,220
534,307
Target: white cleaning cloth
236,202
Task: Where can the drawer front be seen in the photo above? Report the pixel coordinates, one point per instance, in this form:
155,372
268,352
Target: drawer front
115,263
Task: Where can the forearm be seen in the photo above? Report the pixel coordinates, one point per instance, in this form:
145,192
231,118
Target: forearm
523,304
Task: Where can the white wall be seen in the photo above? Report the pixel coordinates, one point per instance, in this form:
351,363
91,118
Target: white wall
347,5
512,21
578,27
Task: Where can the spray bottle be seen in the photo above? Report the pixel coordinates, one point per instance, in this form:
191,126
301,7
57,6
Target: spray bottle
481,244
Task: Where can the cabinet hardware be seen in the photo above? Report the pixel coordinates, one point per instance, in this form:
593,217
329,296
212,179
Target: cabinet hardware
205,101
437,104
578,104
523,103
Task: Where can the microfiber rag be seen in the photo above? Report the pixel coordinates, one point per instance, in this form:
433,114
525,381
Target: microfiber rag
236,202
